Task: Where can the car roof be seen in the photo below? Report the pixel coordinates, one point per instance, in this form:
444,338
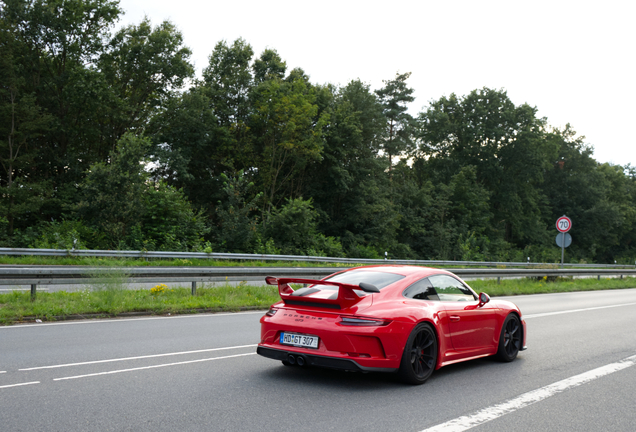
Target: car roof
404,270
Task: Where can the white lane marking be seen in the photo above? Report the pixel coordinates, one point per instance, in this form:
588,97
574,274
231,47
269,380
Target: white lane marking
491,413
575,310
117,320
19,385
137,358
152,367
3,371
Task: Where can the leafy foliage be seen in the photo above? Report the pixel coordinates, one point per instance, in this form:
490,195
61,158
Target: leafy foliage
293,228
107,141
122,202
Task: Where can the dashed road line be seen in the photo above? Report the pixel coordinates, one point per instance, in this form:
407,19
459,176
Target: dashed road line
19,385
152,367
491,413
136,358
539,315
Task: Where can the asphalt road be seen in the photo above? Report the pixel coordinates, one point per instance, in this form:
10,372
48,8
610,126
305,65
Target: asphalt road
200,373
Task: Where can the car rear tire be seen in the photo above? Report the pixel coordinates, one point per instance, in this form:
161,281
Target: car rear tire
420,355
510,339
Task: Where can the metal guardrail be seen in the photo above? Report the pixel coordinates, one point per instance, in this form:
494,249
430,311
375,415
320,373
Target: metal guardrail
63,275
262,257
54,275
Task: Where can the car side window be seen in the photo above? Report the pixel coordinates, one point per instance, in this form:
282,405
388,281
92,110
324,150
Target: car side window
421,290
450,289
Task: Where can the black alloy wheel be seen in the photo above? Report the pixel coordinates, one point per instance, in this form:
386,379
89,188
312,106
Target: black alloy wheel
510,339
420,355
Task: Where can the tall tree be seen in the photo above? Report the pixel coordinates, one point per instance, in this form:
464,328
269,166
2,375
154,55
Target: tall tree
113,191
394,97
53,45
143,67
269,66
228,82
506,145
21,122
349,184
288,135
192,150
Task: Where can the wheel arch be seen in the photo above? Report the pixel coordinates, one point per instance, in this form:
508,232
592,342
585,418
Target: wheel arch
440,340
521,327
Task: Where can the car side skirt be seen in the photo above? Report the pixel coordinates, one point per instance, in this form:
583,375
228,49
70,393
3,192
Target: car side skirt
320,361
463,359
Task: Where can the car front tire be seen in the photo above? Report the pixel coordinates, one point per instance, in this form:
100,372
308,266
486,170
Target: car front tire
510,339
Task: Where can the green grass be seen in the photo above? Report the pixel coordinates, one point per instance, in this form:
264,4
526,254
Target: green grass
509,287
109,297
113,301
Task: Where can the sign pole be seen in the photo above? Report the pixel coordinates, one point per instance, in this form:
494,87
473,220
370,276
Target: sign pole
562,247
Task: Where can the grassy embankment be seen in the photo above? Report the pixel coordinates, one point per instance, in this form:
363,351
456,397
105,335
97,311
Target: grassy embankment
511,287
117,301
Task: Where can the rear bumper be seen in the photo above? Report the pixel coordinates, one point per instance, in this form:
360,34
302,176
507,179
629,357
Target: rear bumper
319,361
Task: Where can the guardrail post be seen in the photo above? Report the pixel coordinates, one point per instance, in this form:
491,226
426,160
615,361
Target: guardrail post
194,288
34,288
498,280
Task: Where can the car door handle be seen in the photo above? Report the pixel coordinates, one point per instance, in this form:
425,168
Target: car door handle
454,318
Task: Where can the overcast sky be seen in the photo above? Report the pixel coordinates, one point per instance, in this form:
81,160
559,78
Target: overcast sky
573,60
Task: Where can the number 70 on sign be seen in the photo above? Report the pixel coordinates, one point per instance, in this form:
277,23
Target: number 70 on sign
563,224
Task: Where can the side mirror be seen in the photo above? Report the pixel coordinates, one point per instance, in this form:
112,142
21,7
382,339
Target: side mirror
483,299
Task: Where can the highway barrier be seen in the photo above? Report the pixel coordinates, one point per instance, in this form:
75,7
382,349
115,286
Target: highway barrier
297,258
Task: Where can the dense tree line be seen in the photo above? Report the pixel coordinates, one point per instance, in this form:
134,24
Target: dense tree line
108,140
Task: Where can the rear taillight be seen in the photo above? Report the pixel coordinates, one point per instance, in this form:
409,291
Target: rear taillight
357,321
271,312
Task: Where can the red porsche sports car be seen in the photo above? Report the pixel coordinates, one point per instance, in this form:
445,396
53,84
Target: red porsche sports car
405,319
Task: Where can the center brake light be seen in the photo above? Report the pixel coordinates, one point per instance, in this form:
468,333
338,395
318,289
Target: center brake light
357,321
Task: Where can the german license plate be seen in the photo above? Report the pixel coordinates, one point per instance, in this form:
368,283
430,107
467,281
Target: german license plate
299,340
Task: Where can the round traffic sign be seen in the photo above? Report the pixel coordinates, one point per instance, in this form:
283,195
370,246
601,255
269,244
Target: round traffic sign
561,237
563,224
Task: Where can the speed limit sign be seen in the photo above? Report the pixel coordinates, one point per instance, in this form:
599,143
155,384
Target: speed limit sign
563,224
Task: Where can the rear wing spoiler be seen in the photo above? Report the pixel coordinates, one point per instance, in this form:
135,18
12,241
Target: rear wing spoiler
346,294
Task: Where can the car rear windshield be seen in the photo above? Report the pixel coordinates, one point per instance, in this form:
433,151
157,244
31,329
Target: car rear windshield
379,279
